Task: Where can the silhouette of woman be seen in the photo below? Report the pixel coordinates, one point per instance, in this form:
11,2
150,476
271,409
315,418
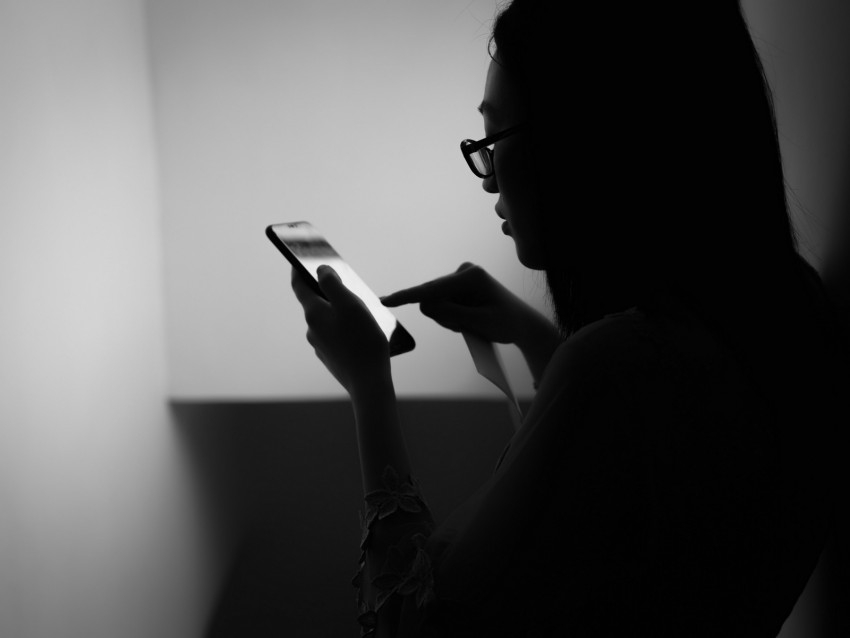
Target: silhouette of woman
676,471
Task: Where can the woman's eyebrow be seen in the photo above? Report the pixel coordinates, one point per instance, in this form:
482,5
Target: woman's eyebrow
486,108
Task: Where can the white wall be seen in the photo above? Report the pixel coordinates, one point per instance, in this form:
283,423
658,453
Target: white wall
806,53
101,535
349,114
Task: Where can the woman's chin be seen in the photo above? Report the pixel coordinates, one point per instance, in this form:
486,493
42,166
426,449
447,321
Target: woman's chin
529,259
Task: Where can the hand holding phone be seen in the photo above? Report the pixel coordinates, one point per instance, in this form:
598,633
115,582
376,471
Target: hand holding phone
307,249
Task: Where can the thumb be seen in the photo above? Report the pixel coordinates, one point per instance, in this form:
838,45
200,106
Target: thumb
332,286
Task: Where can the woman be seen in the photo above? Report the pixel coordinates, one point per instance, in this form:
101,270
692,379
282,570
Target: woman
673,475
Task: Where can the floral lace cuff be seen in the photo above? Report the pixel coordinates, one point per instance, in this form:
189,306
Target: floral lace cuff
407,568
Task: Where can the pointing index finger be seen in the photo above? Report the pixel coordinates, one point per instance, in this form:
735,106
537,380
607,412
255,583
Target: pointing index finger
439,288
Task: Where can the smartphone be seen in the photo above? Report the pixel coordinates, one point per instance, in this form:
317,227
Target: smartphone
307,249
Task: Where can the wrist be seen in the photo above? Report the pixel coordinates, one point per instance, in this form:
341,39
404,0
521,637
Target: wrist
373,384
379,437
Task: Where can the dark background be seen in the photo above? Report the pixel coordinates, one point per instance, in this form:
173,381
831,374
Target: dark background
283,480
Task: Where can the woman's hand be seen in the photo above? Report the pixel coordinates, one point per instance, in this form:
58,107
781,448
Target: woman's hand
470,299
342,331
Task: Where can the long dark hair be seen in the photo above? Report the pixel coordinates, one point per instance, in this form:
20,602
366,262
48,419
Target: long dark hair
656,152
654,141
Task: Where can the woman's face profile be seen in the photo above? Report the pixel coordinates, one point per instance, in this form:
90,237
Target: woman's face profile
513,174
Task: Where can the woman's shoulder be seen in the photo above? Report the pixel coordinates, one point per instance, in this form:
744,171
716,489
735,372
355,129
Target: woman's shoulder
601,342
612,342
639,348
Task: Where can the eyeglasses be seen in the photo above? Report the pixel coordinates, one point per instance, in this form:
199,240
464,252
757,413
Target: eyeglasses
479,155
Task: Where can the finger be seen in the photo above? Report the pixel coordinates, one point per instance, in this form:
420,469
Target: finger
333,288
317,350
314,340
452,315
304,292
439,288
314,306
445,323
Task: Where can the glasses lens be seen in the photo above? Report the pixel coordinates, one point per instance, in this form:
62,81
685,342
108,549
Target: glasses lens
481,161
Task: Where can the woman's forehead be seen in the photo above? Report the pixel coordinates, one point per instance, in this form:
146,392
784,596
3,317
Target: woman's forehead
501,99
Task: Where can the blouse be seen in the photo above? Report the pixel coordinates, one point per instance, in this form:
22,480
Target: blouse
644,494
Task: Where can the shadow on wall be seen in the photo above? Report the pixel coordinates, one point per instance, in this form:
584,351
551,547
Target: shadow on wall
283,480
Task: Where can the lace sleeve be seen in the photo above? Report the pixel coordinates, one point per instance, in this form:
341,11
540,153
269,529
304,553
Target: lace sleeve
393,562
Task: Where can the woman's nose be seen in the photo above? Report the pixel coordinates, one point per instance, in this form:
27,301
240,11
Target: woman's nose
489,184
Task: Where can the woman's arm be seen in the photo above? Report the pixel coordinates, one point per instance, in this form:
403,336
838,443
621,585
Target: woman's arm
471,300
379,437
393,564
352,346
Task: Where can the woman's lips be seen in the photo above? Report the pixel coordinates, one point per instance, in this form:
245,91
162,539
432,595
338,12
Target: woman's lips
506,228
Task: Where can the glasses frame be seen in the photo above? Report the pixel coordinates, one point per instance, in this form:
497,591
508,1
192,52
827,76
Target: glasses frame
468,147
